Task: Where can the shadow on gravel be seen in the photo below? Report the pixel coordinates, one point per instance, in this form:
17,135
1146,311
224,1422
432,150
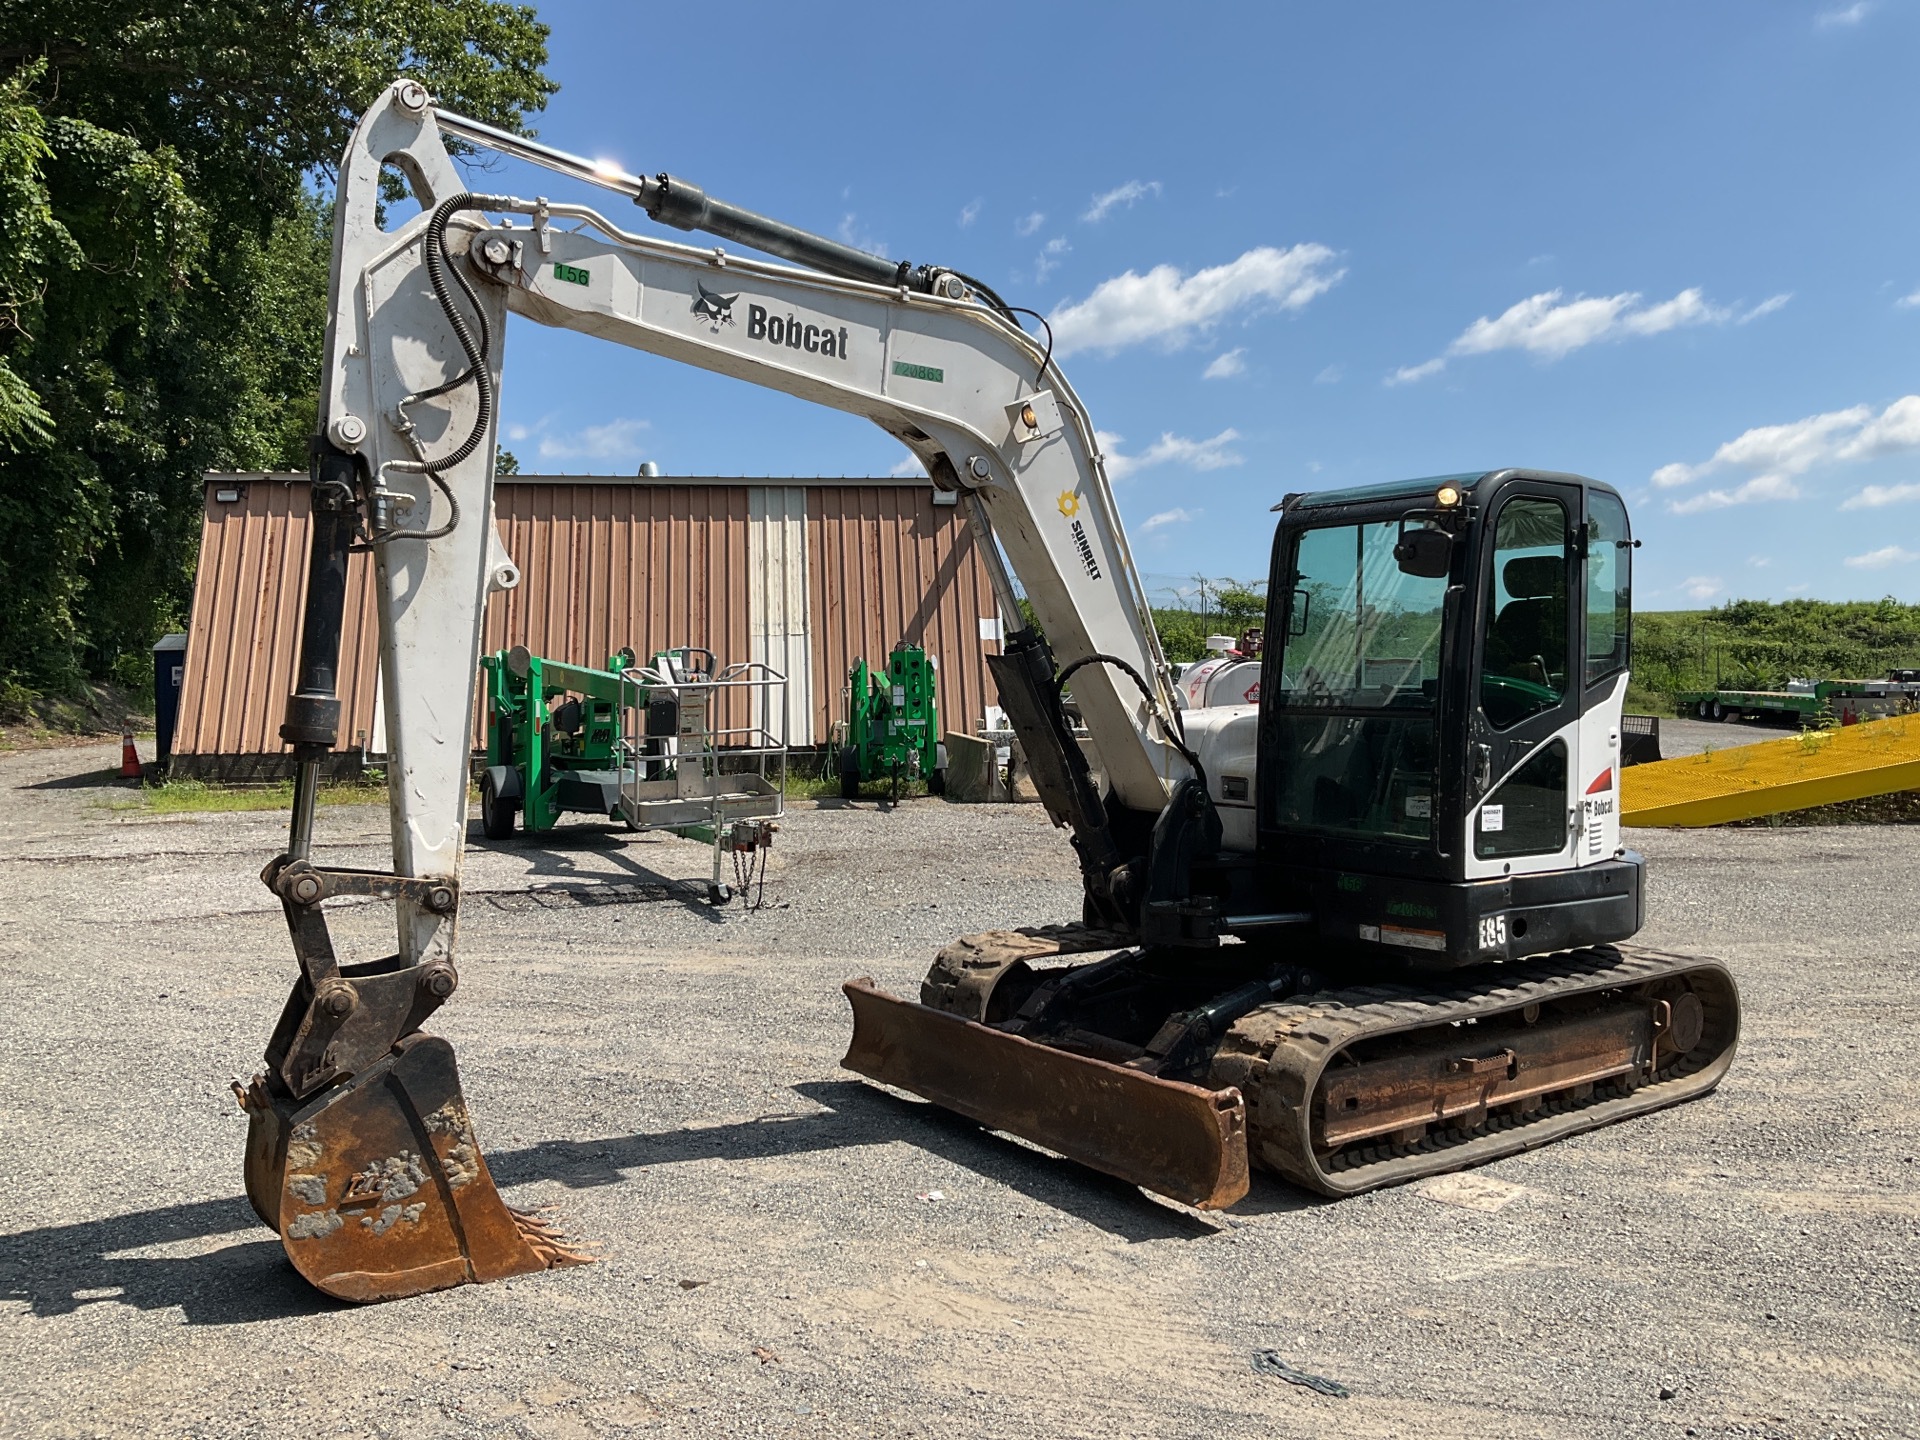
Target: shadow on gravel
89,780
59,1268
551,858
860,1115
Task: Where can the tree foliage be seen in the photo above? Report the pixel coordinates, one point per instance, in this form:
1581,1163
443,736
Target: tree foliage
1749,644
1222,607
163,268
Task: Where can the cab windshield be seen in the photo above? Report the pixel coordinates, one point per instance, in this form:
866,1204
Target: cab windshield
1365,634
1359,681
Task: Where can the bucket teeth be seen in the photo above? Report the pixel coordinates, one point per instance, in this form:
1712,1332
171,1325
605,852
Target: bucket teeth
550,1244
378,1187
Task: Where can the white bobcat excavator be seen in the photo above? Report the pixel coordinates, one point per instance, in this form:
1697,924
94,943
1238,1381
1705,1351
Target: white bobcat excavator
1359,932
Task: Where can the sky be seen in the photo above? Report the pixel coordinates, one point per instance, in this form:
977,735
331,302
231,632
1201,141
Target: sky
1288,247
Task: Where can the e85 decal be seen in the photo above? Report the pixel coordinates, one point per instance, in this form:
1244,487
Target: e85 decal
1493,932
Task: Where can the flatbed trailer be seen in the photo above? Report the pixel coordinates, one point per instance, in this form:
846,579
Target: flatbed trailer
1809,702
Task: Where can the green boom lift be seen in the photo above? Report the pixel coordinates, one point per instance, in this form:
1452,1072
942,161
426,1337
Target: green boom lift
552,735
892,731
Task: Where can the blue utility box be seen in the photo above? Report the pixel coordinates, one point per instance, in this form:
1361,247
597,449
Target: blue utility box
169,670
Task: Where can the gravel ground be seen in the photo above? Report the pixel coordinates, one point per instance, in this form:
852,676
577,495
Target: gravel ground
1691,737
668,1076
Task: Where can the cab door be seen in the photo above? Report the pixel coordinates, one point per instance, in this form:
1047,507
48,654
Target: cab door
1526,686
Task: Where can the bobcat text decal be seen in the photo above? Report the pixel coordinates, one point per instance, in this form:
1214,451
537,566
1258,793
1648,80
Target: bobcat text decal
788,330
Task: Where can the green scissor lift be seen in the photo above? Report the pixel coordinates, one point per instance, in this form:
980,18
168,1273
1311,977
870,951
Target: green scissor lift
892,731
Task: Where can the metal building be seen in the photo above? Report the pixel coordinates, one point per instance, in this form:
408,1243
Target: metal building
806,575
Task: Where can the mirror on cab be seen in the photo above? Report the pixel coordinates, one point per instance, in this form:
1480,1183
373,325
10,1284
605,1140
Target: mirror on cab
1427,553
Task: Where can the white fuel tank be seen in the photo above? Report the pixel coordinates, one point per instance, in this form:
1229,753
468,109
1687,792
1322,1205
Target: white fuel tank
1221,680
1227,738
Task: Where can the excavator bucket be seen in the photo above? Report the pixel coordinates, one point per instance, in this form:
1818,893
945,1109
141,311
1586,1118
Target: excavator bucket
1177,1140
378,1188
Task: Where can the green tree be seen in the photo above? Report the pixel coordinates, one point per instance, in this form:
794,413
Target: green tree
163,256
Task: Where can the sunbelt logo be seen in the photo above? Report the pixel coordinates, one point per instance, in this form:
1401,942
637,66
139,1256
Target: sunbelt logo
789,330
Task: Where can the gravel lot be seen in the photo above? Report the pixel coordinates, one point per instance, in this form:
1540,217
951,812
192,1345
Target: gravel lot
1690,737
668,1076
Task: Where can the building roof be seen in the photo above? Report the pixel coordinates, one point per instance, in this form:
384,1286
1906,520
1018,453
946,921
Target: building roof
288,477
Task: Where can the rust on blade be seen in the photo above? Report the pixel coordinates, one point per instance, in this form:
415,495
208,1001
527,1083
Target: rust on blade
1182,1141
378,1187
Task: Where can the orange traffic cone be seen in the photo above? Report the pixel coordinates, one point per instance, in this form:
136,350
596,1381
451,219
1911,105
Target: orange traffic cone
129,757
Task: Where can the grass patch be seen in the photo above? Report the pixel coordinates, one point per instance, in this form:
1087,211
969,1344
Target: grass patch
192,797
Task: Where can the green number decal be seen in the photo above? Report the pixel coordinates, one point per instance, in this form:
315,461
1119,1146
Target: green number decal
572,274
919,372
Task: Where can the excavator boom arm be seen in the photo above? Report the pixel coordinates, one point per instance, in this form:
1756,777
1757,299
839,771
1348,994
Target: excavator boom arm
360,1151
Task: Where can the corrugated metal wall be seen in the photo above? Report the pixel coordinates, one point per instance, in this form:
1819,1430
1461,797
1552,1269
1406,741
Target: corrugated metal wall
887,564
605,564
244,635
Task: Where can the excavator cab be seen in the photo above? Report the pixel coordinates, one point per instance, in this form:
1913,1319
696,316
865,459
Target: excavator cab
1439,735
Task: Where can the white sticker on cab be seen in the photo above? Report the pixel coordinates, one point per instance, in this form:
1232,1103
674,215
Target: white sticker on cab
1492,818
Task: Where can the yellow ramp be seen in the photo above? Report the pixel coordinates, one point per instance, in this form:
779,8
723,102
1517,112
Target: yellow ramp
1743,782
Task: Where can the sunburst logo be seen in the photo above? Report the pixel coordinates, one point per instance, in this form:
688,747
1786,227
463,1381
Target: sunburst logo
1069,504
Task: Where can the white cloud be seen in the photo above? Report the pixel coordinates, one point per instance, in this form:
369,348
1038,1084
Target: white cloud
969,212
1879,559
1909,302
852,233
909,465
1549,327
1209,454
1765,307
1702,587
1049,257
1329,376
1761,487
1776,454
1872,497
615,440
1165,518
1027,224
1129,194
1226,365
1799,589
1406,374
1760,562
517,432
1166,306
1843,15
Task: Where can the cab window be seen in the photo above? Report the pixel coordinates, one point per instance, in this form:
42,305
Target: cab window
1524,664
1609,585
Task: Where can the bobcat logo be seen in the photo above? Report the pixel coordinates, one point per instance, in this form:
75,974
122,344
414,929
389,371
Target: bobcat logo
717,308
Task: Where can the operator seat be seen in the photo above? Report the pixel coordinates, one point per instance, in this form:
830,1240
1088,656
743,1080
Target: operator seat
1533,624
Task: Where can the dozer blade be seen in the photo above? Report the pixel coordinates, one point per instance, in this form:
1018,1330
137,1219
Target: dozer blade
1178,1140
378,1188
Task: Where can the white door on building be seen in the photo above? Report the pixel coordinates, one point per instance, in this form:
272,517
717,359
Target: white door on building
777,598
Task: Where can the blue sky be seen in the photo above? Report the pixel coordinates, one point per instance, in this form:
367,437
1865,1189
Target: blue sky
1675,247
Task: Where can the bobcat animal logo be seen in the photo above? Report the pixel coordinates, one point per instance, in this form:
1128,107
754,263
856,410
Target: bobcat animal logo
717,308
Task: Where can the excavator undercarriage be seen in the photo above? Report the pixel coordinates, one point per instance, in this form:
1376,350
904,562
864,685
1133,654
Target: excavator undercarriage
1178,1076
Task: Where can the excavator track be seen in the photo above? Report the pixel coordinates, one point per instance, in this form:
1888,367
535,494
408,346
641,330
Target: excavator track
1620,1039
1338,1091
